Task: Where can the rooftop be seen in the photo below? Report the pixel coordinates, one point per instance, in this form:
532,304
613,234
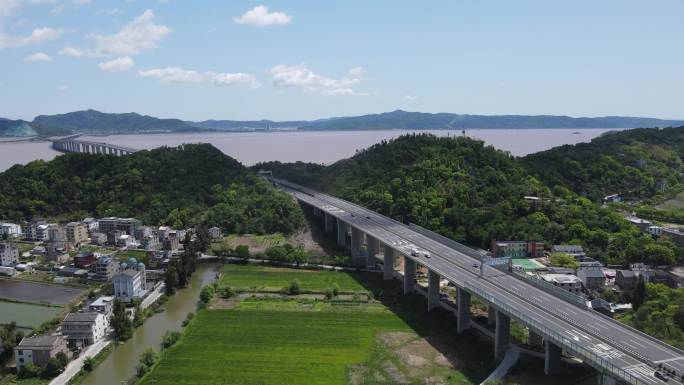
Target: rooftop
38,342
81,317
560,278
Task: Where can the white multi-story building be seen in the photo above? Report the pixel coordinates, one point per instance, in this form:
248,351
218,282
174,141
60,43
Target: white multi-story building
12,230
84,328
9,254
130,283
92,224
42,233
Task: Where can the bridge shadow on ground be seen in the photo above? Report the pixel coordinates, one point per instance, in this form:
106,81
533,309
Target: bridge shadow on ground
471,353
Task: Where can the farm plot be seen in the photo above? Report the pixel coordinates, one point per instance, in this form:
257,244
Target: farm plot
272,347
275,278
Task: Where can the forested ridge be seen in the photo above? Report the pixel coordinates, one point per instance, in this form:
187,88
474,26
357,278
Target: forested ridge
474,193
642,163
183,186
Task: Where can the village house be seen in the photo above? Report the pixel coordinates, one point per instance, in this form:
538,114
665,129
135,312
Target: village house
38,350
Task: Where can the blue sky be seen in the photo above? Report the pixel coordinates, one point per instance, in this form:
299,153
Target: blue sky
281,60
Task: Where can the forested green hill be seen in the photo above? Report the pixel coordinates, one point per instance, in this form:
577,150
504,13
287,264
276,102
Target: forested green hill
474,193
638,164
187,185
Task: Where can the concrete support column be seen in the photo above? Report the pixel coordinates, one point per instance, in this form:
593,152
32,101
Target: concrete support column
372,246
328,220
552,358
341,233
463,310
535,339
388,263
606,379
356,241
409,275
502,334
433,290
491,315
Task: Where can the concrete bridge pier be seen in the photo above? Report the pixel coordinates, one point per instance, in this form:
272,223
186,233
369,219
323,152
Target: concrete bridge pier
552,358
341,233
463,310
409,275
373,248
328,221
356,241
502,334
433,290
491,315
388,263
606,379
535,339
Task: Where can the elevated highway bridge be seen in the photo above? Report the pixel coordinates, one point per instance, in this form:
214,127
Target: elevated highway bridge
622,355
72,144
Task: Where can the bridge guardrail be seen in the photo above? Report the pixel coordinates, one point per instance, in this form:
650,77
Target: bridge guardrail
558,338
577,300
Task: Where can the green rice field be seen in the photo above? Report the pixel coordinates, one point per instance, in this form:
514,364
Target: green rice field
275,278
250,347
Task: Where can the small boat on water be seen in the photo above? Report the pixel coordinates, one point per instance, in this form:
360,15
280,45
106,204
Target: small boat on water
576,133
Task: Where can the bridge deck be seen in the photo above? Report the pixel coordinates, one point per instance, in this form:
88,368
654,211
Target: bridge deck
606,344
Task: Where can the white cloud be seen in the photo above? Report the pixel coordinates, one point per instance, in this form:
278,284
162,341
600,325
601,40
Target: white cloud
7,7
38,35
228,79
302,77
38,56
410,97
357,71
173,75
117,65
108,12
259,16
64,88
76,52
81,2
182,75
141,34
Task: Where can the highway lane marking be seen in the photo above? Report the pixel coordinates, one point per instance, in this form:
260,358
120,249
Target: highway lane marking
670,359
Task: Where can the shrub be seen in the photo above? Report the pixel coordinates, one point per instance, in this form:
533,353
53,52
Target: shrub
170,338
294,287
88,364
207,294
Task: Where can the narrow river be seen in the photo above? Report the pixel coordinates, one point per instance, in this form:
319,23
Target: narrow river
120,365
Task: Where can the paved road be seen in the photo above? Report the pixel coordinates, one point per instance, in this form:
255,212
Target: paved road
75,365
601,341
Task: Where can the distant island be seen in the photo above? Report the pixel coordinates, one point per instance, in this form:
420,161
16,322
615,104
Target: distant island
96,122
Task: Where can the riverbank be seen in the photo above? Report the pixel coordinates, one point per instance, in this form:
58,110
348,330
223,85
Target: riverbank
120,364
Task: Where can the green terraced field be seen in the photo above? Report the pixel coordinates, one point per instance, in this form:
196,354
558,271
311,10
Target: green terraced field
263,277
258,347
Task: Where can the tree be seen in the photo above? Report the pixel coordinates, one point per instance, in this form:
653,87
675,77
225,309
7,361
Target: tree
207,294
242,251
28,371
121,323
679,316
88,364
147,359
659,254
639,294
564,260
170,338
139,315
171,279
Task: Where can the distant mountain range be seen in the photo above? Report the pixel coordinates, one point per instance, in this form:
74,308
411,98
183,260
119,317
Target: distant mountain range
95,122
